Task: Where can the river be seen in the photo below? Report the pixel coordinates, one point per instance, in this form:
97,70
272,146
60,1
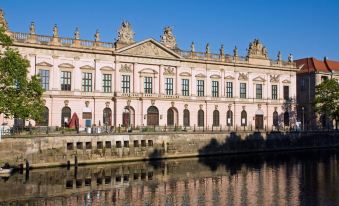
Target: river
292,178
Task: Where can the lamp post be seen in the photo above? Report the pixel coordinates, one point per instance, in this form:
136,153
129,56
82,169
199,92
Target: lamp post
303,110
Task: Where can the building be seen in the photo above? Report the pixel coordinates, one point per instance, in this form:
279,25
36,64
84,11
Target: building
312,72
150,82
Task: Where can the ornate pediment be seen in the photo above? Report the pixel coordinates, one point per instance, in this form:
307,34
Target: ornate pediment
286,81
243,76
215,76
44,64
127,68
149,48
169,71
229,77
107,68
66,66
257,50
259,79
185,74
87,67
148,71
274,78
200,75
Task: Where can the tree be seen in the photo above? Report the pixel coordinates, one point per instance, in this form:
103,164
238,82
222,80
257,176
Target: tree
20,96
327,99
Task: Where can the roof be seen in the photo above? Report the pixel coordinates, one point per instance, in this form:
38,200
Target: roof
311,64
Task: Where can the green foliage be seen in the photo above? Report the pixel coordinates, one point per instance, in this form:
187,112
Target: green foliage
327,99
20,96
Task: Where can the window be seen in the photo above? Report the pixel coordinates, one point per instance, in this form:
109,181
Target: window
215,118
44,118
229,118
44,79
186,118
86,82
148,85
200,118
107,116
126,82
185,87
286,92
200,88
243,90
107,83
169,86
275,118
286,118
215,89
274,92
65,116
243,118
258,91
66,81
229,89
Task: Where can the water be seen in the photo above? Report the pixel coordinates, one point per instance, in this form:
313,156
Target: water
295,178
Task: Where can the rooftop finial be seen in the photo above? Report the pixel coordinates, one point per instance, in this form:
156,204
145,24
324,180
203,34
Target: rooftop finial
97,35
77,33
55,31
125,33
235,51
168,39
222,50
208,48
192,47
257,50
290,58
279,56
32,28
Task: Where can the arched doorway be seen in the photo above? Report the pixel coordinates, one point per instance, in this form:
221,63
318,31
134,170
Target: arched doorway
186,118
65,116
152,116
259,119
107,116
128,117
200,118
216,118
286,119
275,119
229,118
172,116
44,117
243,118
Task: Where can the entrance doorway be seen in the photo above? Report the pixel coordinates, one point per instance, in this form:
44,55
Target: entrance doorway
259,121
153,116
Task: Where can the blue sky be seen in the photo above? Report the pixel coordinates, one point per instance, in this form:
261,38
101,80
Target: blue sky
305,27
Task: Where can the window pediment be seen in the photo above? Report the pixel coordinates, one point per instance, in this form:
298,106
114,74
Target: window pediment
215,76
66,66
87,67
148,71
107,68
286,81
200,75
44,64
229,77
259,79
185,74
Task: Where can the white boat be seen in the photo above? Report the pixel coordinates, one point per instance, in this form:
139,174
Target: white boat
5,172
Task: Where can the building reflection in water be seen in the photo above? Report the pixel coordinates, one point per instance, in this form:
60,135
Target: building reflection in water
307,178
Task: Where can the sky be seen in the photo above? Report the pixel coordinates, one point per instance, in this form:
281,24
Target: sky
305,28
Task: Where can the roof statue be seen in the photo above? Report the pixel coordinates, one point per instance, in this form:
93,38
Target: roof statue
235,51
77,33
257,50
125,33
192,47
32,28
279,56
97,35
208,51
55,31
168,39
290,58
3,22
222,50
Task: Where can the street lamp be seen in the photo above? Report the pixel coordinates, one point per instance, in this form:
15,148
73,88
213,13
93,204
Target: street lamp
303,110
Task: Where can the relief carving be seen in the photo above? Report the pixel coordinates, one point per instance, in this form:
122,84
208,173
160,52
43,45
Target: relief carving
148,49
168,71
274,78
243,76
126,68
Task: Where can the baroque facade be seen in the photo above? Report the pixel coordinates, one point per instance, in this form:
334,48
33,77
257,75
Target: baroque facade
150,82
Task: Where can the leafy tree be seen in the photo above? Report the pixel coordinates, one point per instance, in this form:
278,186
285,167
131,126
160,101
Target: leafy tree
327,99
20,96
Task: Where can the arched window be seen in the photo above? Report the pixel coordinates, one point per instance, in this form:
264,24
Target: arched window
286,118
65,116
44,117
243,118
215,118
200,118
128,117
229,118
107,116
186,118
170,117
152,116
275,119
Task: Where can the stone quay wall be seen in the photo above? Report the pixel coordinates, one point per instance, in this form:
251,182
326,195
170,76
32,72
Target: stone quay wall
51,151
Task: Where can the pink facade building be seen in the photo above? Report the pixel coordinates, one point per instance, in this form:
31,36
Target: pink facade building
152,82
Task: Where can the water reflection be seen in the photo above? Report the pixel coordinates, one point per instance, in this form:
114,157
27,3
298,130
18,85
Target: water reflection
298,178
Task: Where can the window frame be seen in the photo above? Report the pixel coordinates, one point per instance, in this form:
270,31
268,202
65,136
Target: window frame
148,85
126,83
243,91
107,83
87,81
215,88
66,81
185,87
258,91
169,86
200,88
44,79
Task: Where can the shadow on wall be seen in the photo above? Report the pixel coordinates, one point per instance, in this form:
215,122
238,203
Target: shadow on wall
255,142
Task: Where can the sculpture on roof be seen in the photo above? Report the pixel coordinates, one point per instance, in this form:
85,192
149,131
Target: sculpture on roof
222,50
32,28
3,22
125,33
257,50
55,31
77,33
97,35
290,58
235,51
192,47
279,56
208,51
168,39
